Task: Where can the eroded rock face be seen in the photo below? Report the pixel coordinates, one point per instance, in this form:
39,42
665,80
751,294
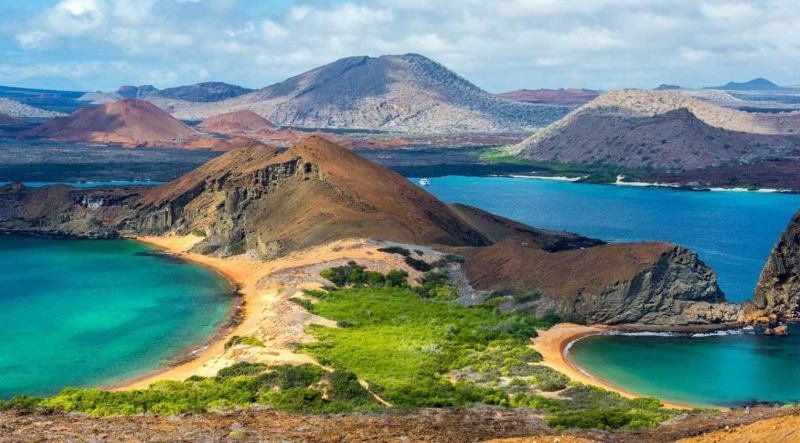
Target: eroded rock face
655,284
778,288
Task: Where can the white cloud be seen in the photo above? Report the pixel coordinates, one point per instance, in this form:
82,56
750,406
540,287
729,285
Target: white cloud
503,44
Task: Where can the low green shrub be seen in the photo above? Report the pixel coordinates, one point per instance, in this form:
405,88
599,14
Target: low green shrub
243,340
241,368
417,264
286,377
395,250
22,404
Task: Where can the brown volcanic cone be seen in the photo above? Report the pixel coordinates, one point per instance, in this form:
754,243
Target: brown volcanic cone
6,119
238,122
129,122
255,198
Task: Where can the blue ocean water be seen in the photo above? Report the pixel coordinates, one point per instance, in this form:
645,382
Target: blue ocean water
90,312
732,231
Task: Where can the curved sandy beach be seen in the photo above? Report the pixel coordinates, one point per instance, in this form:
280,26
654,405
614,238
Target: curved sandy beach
553,344
267,313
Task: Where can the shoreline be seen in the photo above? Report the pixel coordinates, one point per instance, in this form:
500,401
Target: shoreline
266,311
223,333
554,345
249,305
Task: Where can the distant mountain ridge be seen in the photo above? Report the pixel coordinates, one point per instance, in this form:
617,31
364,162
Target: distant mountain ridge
197,93
392,92
756,84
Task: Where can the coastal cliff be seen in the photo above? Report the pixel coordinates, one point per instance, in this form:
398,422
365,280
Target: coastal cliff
778,289
650,284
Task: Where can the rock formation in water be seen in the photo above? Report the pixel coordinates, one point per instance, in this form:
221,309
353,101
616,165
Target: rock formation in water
259,201
778,289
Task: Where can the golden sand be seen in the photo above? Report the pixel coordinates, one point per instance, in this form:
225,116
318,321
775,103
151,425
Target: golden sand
552,344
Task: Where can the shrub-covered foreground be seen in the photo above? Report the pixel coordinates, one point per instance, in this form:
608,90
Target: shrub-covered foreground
306,388
414,346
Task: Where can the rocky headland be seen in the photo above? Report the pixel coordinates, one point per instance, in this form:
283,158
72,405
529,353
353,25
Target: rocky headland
777,294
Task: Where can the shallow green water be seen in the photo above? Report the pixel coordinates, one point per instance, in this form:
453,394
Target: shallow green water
85,313
712,370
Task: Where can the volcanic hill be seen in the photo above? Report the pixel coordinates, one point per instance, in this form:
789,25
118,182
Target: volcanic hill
393,92
756,84
662,131
128,122
235,123
203,92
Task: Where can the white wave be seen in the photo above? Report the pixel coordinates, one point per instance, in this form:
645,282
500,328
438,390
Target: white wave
719,333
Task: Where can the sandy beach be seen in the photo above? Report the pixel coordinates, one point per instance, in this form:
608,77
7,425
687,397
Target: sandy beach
267,313
552,344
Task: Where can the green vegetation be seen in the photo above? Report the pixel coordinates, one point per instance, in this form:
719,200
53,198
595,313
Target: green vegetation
353,274
243,340
306,388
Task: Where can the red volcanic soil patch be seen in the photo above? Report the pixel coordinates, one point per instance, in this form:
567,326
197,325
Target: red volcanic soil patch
128,122
238,122
551,96
6,119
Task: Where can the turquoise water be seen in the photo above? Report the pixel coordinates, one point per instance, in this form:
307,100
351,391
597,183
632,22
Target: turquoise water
732,231
86,313
721,370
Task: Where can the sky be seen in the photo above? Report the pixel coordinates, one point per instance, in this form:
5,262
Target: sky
499,45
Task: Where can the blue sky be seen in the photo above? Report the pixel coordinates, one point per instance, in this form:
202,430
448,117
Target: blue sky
499,45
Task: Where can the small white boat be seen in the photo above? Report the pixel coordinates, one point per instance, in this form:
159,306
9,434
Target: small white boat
424,182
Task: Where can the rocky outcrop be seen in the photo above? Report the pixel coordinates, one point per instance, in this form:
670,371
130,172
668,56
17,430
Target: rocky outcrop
62,211
778,288
655,284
